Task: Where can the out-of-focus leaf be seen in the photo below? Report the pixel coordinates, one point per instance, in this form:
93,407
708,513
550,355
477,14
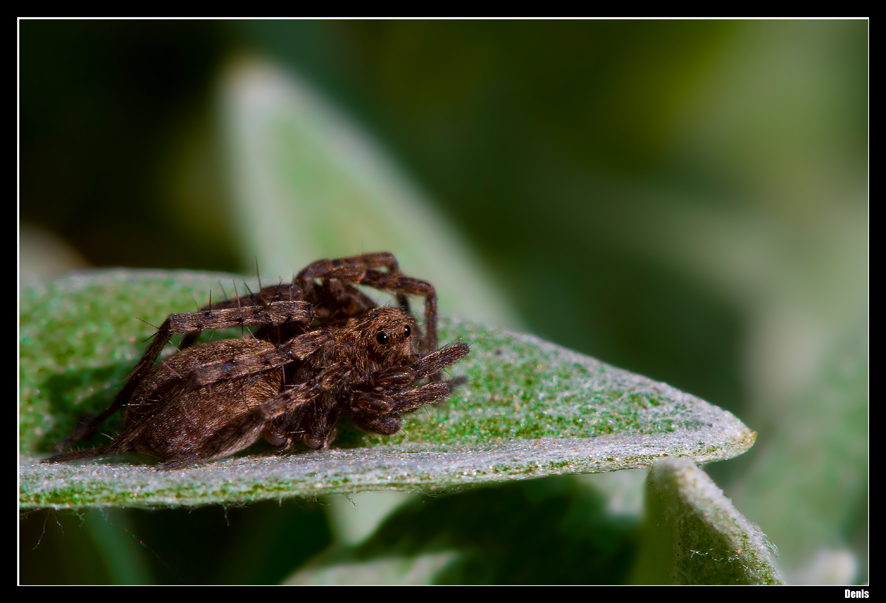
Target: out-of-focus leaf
694,534
468,538
529,408
308,182
824,436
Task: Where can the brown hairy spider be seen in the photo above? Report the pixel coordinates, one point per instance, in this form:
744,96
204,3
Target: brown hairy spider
323,350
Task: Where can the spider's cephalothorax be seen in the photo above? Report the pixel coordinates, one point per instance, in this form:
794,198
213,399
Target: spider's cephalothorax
323,350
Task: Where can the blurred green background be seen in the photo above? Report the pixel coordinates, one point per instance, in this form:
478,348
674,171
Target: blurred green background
684,199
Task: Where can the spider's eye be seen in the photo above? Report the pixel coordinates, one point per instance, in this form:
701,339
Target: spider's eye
382,337
407,331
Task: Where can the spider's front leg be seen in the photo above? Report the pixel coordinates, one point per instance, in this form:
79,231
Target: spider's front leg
376,407
437,361
275,313
380,412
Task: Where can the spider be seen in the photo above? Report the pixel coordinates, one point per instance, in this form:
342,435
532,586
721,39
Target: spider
323,350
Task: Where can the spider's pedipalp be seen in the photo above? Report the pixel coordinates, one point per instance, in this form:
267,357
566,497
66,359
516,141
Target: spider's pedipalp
437,361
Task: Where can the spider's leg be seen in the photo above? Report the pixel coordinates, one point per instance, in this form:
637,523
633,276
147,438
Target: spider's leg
321,420
380,413
78,454
435,362
265,297
335,295
388,391
349,269
323,426
262,360
286,413
385,403
383,424
178,463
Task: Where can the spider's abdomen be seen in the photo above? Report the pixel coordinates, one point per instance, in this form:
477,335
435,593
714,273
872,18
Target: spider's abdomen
171,416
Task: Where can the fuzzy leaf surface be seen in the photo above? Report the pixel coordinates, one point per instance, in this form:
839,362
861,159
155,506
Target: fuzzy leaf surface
529,409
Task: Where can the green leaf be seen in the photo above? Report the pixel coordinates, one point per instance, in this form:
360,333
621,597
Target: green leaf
695,535
529,408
